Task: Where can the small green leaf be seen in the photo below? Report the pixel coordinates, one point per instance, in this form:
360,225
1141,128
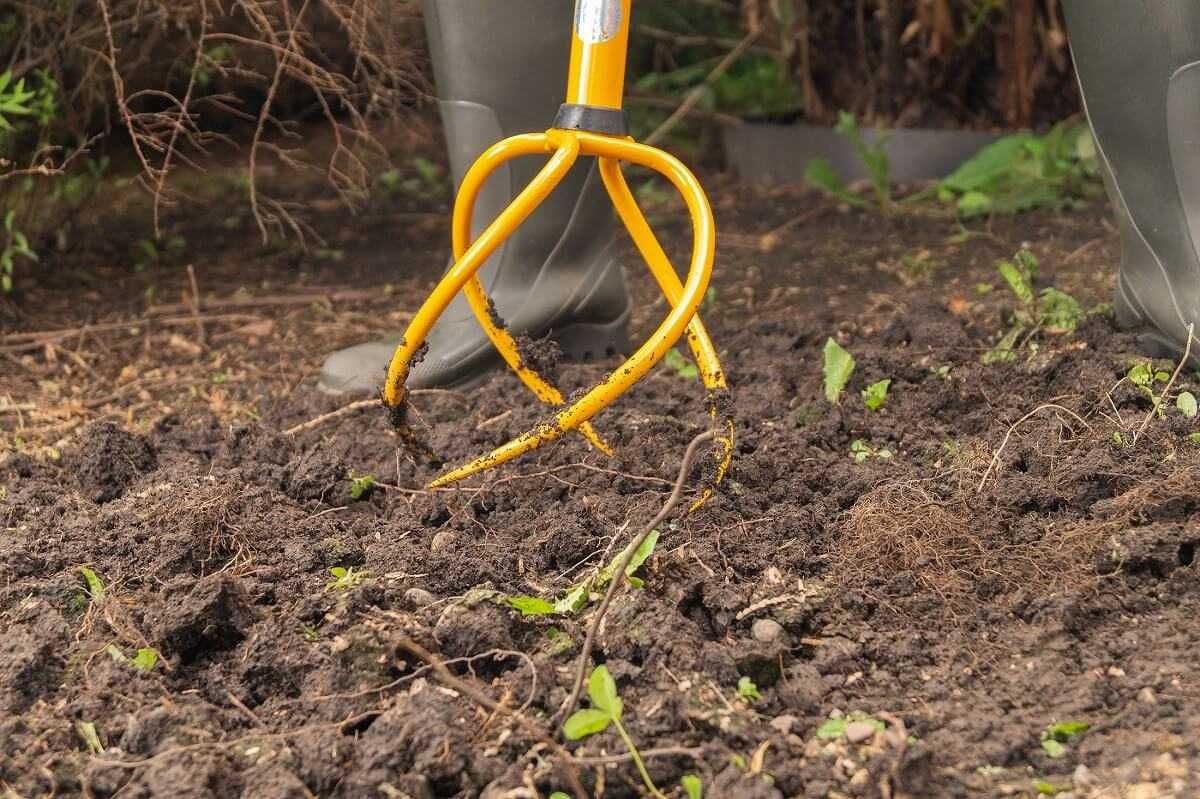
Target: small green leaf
1048,788
602,690
1141,374
531,605
574,600
640,556
145,659
974,203
1017,280
692,786
832,729
94,584
360,485
875,394
583,723
748,691
1064,731
839,365
820,175
1186,403
680,365
90,737
1054,748
560,795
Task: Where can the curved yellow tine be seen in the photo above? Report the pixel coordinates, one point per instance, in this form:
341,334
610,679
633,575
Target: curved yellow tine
646,356
660,266
502,340
475,255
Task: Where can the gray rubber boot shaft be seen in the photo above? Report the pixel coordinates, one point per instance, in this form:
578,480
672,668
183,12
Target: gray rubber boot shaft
1139,70
500,69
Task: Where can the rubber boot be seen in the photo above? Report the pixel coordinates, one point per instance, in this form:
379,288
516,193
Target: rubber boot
500,70
1139,70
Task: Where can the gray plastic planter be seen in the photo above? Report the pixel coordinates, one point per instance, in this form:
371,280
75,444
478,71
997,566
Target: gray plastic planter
763,153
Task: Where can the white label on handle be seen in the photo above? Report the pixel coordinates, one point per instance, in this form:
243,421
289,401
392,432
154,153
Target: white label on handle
597,21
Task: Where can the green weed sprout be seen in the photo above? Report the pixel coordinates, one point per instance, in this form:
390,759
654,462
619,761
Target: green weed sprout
1050,310
144,661
747,691
833,729
875,395
1056,737
607,709
1021,172
361,485
95,586
839,366
345,578
680,365
578,595
862,451
874,157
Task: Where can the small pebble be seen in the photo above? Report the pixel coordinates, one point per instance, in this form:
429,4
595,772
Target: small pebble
1147,696
443,540
783,723
859,731
766,630
419,597
860,778
1082,778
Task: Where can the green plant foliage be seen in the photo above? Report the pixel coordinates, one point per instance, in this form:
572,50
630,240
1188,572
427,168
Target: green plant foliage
531,605
875,395
90,736
15,100
676,362
1145,377
747,691
833,729
839,366
1055,738
640,556
820,175
607,709
692,787
578,595
873,155
361,485
144,660
861,451
1186,403
1022,172
345,578
1051,311
15,244
95,586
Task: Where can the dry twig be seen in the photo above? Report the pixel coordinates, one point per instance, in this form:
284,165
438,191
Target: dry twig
618,580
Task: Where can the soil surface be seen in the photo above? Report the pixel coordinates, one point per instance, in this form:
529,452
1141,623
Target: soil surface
1024,558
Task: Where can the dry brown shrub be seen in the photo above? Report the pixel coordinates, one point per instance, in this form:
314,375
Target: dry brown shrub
181,78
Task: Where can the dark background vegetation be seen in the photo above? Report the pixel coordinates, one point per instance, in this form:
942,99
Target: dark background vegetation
154,87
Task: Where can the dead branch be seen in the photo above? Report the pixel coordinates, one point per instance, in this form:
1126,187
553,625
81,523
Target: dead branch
618,580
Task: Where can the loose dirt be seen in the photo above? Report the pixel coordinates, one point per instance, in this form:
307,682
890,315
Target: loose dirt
963,594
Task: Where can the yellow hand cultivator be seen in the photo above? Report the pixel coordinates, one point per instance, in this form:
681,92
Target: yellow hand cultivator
590,124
